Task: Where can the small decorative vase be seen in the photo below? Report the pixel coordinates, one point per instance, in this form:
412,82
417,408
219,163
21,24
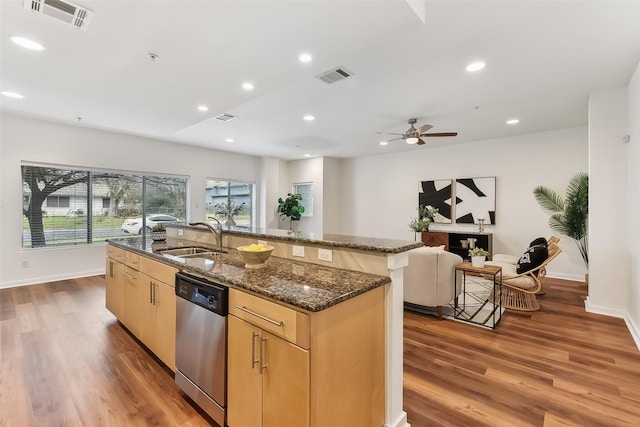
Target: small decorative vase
418,236
477,261
158,236
230,221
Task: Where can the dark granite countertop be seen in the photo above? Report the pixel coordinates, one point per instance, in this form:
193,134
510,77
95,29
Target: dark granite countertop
372,244
306,286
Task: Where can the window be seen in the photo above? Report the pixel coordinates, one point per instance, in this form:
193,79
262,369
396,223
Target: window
58,201
305,189
231,202
85,206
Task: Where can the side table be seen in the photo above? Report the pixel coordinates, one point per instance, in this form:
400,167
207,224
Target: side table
477,308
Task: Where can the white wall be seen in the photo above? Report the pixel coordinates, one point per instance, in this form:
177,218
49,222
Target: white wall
332,195
380,192
634,205
307,170
609,254
40,141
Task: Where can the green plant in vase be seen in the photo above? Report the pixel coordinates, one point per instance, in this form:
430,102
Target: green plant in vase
291,208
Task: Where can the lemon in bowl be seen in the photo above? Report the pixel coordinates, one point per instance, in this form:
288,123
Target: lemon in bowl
255,255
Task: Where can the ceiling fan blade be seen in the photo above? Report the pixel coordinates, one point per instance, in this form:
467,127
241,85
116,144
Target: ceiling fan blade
395,139
431,135
420,141
424,128
390,133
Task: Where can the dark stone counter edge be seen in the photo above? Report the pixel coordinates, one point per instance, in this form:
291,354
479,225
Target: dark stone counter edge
370,244
282,298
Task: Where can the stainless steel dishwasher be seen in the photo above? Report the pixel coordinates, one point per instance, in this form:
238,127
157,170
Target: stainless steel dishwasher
201,342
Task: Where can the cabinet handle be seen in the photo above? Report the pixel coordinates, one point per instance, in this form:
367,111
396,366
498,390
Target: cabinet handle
253,349
262,344
259,316
111,269
150,292
130,276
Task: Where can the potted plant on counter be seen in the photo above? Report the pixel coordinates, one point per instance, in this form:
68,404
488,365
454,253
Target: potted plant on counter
478,257
291,208
158,233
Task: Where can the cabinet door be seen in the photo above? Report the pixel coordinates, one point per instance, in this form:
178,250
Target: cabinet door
285,383
136,301
114,299
244,382
165,333
147,311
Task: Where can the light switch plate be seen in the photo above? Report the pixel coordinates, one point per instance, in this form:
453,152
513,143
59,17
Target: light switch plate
325,255
298,251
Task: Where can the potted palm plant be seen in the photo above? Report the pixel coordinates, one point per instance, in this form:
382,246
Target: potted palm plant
569,214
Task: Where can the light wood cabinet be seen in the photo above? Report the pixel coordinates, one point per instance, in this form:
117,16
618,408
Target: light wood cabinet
114,286
143,300
268,378
286,367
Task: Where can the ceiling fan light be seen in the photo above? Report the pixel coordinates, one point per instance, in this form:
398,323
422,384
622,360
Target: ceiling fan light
412,140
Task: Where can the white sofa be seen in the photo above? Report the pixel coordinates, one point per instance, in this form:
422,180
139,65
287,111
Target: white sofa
429,279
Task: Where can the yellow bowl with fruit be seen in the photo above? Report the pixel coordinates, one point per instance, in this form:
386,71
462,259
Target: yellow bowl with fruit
255,255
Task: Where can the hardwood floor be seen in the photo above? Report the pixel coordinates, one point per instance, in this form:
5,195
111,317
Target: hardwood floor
65,361
559,366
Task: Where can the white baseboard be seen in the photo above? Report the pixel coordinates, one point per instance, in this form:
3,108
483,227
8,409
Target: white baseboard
572,277
633,329
400,421
45,279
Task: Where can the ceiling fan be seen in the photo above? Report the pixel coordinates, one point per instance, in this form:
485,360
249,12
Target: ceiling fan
414,136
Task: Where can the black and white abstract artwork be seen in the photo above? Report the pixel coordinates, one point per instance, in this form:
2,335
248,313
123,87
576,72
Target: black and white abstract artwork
437,193
475,199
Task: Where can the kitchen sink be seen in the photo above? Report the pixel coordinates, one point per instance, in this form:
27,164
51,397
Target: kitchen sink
192,252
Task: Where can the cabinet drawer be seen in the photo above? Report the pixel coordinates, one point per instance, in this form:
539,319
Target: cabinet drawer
158,270
132,259
115,254
282,321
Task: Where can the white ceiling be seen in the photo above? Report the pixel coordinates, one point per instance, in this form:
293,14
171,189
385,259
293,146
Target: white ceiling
543,59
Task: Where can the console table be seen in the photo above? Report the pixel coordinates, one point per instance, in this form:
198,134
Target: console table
451,241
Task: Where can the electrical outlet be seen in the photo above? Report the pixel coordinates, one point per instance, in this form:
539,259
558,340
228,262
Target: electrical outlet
325,255
298,251
25,264
180,232
262,242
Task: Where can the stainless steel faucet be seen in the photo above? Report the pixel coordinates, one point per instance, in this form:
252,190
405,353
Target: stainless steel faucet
217,231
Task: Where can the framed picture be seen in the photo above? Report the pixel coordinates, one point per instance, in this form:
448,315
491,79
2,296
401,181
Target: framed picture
437,193
475,198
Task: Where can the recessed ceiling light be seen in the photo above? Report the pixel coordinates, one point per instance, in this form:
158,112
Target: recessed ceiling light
384,143
247,86
309,118
307,155
305,57
26,43
228,140
475,66
203,108
10,94
513,121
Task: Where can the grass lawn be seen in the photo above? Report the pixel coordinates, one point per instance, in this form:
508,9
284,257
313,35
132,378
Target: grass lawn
69,222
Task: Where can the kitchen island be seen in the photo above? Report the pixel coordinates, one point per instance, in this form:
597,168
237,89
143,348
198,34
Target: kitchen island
349,321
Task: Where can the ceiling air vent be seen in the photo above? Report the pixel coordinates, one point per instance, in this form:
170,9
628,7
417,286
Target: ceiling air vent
62,10
334,75
226,117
